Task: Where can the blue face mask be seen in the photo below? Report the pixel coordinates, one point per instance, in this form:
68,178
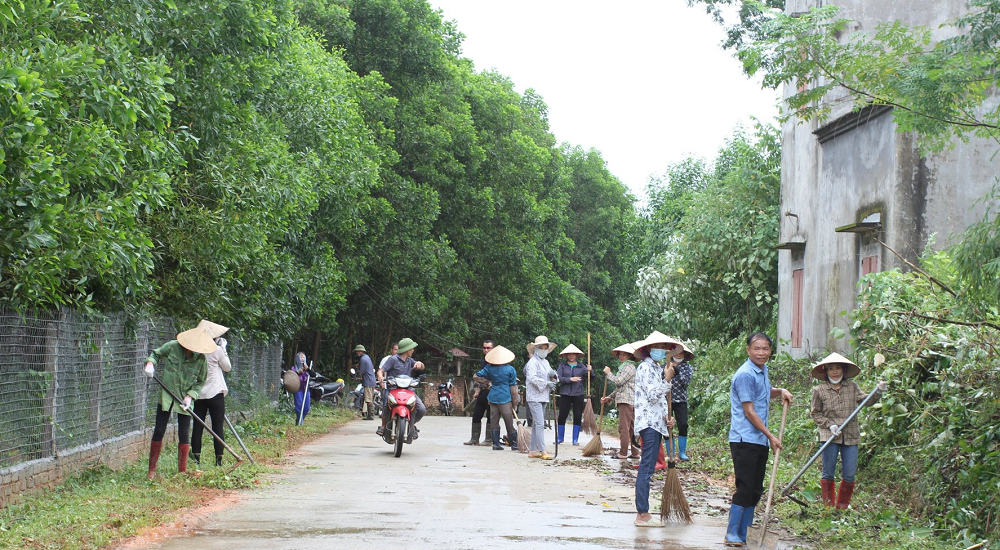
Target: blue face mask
657,354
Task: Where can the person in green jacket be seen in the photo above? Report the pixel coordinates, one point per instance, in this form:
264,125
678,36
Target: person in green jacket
184,370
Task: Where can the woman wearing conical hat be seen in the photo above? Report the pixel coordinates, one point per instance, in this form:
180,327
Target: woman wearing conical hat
183,369
624,398
211,402
571,374
833,400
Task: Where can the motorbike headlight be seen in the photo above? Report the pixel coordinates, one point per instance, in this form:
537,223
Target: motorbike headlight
392,400
411,401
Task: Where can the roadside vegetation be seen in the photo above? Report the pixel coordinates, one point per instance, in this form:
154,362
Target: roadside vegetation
101,506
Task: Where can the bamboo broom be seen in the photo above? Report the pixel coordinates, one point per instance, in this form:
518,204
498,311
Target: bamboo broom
589,426
672,502
523,435
595,446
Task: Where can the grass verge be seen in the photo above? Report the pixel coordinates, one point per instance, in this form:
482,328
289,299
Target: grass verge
99,506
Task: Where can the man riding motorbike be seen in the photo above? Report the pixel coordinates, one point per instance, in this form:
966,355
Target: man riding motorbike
401,364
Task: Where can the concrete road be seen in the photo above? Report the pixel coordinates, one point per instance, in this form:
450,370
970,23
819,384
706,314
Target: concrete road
346,490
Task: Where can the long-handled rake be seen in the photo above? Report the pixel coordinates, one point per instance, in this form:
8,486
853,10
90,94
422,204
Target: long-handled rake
595,446
759,535
672,502
198,418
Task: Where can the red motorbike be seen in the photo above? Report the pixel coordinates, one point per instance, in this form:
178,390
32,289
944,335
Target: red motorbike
401,401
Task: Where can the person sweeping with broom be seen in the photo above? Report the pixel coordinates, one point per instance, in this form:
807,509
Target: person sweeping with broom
652,385
749,437
571,373
833,399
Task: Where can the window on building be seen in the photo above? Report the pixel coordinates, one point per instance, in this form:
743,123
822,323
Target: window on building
797,308
869,264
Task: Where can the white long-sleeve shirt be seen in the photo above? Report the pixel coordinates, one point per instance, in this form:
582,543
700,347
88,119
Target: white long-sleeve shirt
218,362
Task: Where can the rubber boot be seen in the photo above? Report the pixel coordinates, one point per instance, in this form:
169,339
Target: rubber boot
682,445
828,491
182,457
844,494
513,441
154,455
218,460
576,434
661,460
745,522
561,430
488,436
496,441
477,430
196,457
733,529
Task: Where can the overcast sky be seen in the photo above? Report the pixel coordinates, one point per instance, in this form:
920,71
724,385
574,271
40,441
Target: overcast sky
643,81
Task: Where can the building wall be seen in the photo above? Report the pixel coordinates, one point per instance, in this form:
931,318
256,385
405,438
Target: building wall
871,169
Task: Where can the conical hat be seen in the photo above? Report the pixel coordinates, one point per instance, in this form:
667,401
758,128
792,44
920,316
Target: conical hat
213,329
627,348
850,368
499,356
571,349
290,381
200,339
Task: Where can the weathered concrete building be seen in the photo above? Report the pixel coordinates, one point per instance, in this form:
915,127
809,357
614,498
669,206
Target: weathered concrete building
853,178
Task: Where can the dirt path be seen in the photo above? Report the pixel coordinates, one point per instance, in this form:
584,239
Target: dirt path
346,490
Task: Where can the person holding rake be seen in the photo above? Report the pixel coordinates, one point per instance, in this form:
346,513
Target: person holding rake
750,440
183,369
833,400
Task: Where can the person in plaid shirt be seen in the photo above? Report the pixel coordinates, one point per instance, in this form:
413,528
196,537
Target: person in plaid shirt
833,400
624,396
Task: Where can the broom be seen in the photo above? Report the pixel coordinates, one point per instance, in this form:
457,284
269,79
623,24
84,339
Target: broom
589,426
672,502
595,446
523,435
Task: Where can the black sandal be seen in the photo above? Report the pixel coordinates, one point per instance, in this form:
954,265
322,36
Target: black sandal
380,431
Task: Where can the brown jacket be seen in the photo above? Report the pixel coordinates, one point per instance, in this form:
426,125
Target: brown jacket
830,406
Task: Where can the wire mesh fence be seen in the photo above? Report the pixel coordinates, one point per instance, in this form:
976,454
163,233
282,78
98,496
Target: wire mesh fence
68,379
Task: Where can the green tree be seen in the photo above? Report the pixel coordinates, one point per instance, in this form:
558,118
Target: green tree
87,146
715,277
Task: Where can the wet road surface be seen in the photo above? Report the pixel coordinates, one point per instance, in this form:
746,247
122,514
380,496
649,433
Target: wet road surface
346,490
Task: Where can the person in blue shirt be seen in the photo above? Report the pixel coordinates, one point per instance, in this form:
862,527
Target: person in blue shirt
367,380
749,437
503,394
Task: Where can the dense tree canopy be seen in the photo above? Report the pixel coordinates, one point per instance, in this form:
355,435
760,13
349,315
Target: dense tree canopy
301,169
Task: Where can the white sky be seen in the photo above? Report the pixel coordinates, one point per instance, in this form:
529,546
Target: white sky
643,81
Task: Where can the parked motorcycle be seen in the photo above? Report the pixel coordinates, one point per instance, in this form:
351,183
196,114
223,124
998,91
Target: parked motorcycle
322,389
401,399
356,399
444,397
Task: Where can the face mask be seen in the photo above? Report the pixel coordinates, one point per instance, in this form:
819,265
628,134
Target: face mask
836,380
657,354
541,353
